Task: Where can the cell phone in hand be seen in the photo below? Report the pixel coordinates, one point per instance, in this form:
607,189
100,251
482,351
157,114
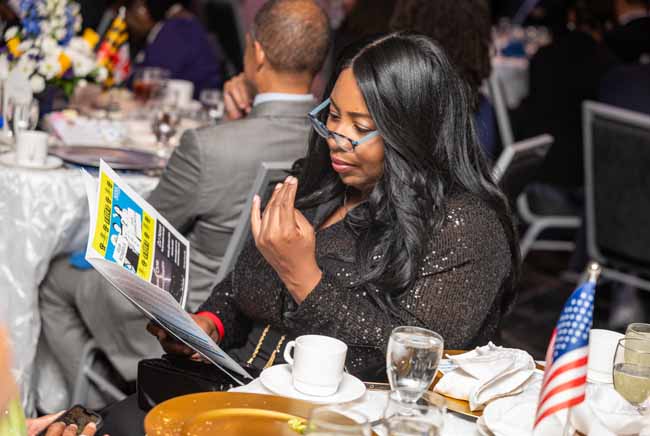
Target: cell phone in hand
80,416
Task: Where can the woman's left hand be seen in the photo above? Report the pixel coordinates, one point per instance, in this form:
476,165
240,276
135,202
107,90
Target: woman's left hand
287,240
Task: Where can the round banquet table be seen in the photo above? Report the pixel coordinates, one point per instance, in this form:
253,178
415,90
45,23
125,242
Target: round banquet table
43,213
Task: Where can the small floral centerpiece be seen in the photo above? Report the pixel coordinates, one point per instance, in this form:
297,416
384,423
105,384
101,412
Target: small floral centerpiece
46,47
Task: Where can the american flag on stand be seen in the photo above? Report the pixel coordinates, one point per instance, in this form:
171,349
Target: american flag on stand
565,375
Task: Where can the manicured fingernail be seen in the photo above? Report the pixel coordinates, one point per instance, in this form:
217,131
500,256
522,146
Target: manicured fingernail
73,427
288,179
92,425
256,199
278,186
293,180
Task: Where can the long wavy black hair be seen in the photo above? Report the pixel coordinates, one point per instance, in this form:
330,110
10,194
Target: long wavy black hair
422,110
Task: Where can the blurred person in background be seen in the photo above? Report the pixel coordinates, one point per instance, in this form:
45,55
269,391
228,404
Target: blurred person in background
201,192
362,18
268,63
563,74
630,39
12,418
463,29
170,37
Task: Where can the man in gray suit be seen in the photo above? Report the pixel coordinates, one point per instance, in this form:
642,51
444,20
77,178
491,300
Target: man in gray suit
203,189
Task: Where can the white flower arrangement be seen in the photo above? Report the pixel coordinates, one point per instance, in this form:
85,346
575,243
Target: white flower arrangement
47,49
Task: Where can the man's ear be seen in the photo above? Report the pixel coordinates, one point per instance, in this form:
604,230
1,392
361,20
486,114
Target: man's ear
260,55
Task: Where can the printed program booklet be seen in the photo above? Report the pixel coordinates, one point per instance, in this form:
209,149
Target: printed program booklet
147,260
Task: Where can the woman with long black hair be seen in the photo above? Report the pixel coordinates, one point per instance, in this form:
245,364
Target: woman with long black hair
393,220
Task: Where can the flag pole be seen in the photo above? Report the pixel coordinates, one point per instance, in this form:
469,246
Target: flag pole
593,274
568,428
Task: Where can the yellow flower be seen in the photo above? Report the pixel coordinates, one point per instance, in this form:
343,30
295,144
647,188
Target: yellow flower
91,37
12,45
65,63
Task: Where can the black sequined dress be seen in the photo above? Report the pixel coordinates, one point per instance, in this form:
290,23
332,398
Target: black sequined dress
459,292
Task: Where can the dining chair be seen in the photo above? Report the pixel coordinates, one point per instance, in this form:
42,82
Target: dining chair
498,98
617,192
268,175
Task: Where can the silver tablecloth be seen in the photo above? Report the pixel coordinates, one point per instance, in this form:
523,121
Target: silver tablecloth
42,214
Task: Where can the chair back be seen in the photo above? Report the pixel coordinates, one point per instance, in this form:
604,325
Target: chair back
617,186
518,164
501,110
269,174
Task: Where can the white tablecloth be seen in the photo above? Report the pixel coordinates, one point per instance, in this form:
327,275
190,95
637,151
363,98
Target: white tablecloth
372,405
42,214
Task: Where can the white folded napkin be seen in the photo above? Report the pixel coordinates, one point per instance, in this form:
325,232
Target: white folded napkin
487,373
605,413
515,415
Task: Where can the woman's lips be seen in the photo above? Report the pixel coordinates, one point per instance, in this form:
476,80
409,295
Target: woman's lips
341,166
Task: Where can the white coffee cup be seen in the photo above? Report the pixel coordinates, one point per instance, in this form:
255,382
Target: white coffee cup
602,347
317,364
180,92
31,148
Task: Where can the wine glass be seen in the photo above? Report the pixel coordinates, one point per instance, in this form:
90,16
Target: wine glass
632,372
638,330
427,414
212,102
412,360
333,421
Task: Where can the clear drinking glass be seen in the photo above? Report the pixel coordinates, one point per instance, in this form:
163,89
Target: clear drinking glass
638,330
332,420
148,83
24,116
632,372
429,409
212,101
412,360
409,426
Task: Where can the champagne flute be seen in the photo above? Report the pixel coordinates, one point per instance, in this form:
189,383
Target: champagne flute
334,421
632,372
412,360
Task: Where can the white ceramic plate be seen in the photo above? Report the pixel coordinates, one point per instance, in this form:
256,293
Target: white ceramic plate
278,380
9,159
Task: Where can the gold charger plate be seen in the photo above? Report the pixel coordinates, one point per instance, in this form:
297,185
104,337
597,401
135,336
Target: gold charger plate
225,414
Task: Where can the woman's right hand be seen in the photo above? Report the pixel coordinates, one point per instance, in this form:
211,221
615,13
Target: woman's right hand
173,346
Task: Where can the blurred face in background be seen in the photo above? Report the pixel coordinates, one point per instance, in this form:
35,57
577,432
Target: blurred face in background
138,20
348,5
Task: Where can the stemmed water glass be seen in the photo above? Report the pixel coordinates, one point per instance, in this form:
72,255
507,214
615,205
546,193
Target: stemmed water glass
212,102
24,116
334,421
632,372
412,361
424,418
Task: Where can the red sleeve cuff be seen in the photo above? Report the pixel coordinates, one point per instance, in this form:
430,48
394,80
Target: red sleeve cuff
216,320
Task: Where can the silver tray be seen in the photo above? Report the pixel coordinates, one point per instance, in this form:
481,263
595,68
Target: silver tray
117,158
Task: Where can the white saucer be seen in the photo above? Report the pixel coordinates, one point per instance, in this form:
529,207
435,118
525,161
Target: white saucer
278,380
9,159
